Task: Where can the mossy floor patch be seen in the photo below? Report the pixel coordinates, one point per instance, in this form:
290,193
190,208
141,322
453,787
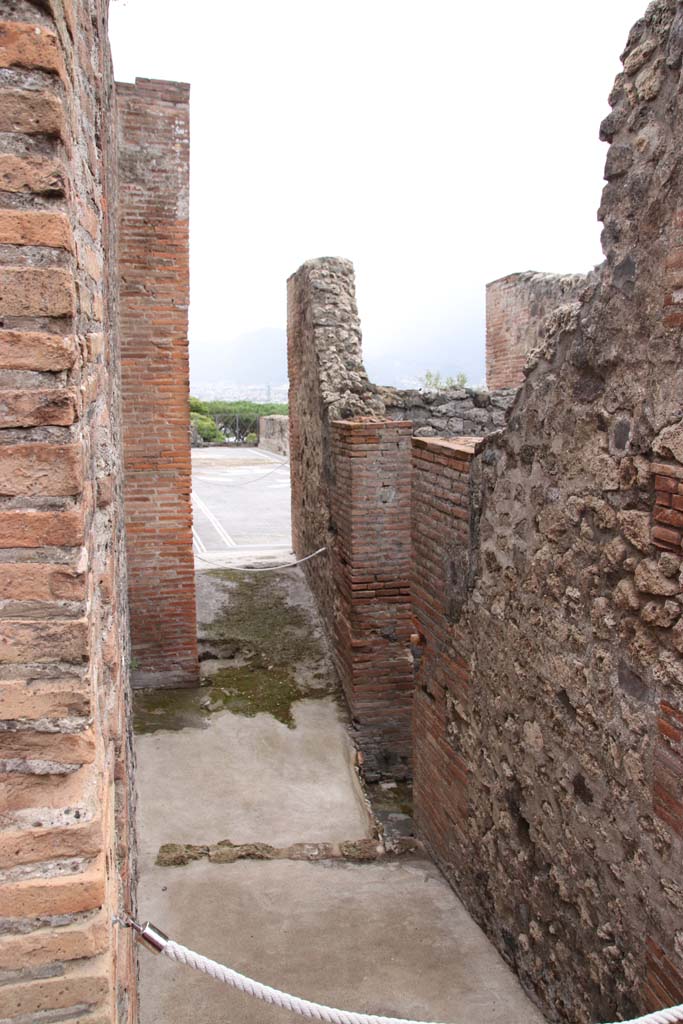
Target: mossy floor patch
391,797
269,639
257,615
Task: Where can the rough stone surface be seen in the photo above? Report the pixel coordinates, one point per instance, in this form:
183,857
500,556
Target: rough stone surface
450,412
547,583
274,434
549,715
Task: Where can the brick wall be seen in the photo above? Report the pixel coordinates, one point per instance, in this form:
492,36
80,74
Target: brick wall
66,848
440,516
370,567
342,469
516,310
153,138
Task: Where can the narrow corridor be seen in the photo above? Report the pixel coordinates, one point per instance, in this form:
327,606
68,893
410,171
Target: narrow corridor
258,846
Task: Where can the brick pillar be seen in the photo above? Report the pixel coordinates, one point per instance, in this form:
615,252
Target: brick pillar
66,860
440,535
154,299
516,310
371,567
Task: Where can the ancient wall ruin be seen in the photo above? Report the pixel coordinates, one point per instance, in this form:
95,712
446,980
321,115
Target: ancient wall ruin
350,494
334,471
549,776
66,850
450,411
274,434
547,587
517,307
327,382
369,563
153,208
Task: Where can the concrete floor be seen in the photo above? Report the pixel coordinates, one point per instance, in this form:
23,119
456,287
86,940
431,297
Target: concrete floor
386,937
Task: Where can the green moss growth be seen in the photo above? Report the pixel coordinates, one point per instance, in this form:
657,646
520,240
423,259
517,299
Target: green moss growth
254,690
272,638
259,618
399,798
249,690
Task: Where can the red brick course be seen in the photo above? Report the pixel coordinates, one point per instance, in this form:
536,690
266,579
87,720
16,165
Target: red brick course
667,514
516,308
440,537
65,742
370,508
154,298
664,985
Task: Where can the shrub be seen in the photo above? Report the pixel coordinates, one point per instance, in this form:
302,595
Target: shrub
206,427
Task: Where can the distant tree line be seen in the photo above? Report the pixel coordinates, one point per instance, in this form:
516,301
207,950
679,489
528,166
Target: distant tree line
235,422
433,381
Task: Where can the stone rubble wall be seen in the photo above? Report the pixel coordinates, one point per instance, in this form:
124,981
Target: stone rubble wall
454,411
548,584
274,434
327,382
549,711
153,211
66,840
517,308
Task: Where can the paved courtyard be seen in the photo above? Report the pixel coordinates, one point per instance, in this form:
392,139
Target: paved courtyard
240,506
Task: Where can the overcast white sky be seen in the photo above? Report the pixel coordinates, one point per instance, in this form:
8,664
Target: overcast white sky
438,144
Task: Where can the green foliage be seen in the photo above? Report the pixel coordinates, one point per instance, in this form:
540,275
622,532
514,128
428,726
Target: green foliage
221,408
435,382
206,426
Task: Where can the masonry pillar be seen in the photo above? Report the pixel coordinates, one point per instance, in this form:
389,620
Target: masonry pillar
153,131
67,861
440,543
516,311
371,569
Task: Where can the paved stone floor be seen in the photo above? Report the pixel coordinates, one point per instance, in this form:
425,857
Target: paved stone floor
261,754
240,506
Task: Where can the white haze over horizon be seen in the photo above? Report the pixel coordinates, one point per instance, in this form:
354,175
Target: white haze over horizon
439,145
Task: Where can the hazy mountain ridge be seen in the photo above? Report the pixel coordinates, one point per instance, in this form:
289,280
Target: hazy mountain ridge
254,362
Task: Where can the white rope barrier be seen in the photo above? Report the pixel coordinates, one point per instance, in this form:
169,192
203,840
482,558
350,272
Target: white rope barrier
153,939
263,568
